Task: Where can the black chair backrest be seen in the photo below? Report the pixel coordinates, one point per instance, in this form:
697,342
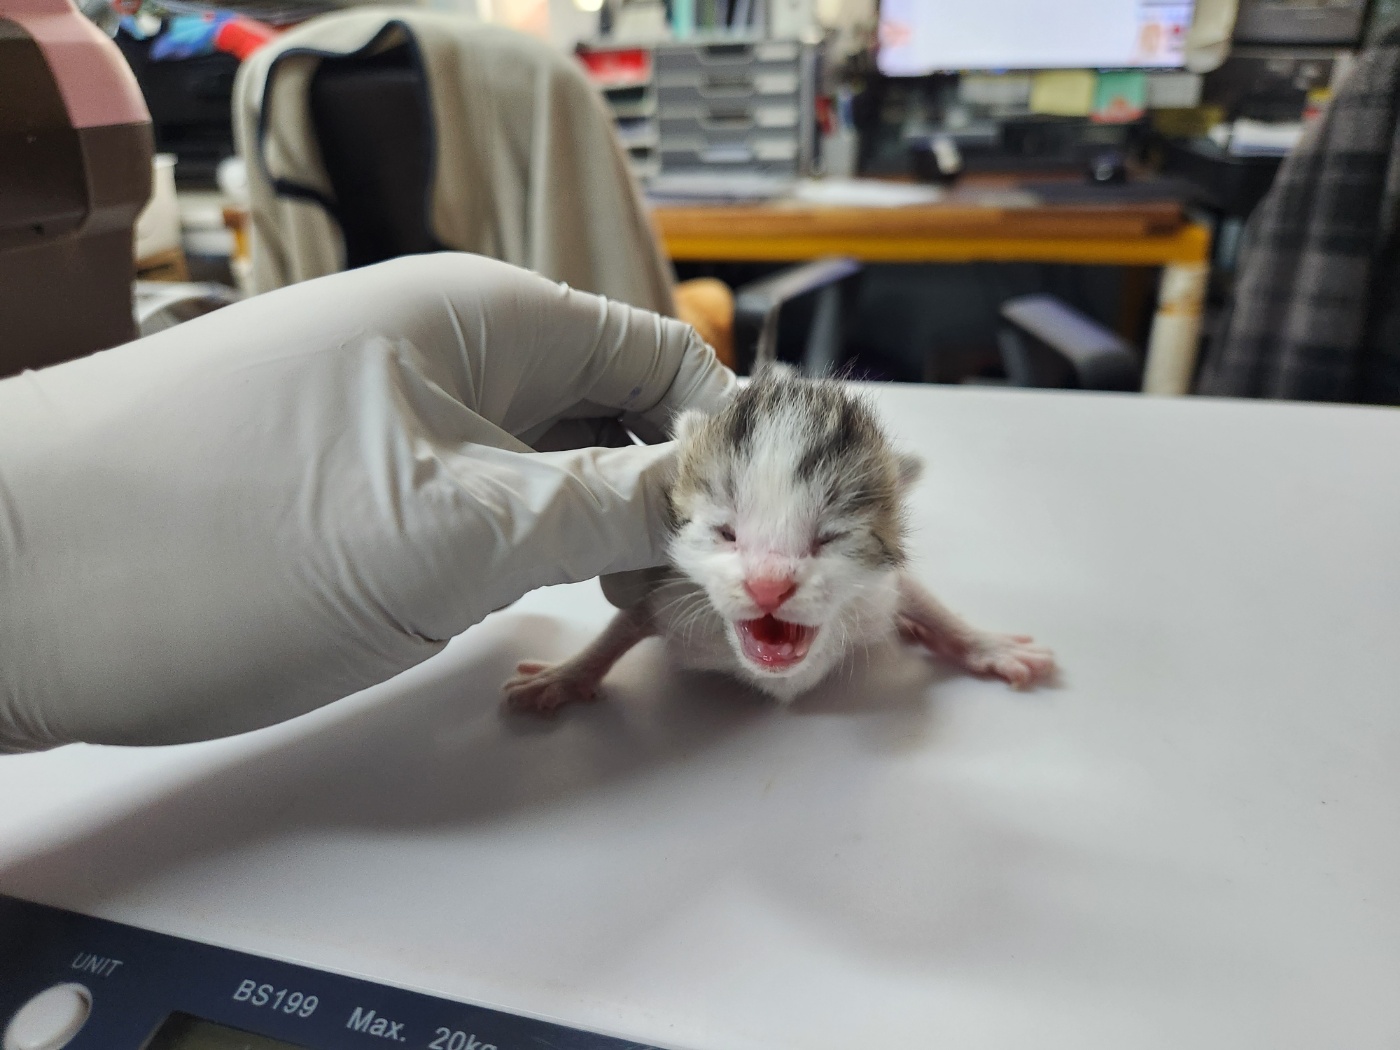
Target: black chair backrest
372,124
1047,343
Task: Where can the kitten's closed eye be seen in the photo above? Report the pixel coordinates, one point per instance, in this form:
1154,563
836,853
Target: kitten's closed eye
725,533
825,538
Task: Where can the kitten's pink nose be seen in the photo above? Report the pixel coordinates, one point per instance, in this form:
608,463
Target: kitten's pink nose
769,592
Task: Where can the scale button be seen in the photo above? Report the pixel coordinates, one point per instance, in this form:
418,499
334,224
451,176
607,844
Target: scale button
50,1019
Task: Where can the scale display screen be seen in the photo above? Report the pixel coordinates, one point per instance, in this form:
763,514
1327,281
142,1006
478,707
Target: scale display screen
187,1032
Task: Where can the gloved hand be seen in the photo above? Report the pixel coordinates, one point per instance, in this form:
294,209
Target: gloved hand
273,506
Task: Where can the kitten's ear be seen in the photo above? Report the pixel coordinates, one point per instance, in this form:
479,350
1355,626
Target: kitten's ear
688,424
910,469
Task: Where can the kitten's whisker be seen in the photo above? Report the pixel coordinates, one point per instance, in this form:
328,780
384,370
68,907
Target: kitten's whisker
688,595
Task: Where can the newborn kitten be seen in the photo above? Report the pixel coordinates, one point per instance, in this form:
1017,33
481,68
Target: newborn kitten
787,555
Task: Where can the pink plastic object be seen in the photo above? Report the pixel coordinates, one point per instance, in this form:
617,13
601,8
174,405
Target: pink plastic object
97,85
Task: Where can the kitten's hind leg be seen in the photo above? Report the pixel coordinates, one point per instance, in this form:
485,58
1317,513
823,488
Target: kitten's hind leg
542,687
925,621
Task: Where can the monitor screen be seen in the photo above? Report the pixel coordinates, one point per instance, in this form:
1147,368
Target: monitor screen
918,37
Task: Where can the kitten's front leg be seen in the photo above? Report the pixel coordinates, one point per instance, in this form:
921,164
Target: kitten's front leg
542,687
926,621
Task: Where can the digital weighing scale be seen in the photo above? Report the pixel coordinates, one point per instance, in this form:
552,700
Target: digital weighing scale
1190,842
84,982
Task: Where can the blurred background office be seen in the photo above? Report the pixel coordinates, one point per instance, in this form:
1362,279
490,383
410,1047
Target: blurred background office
1030,192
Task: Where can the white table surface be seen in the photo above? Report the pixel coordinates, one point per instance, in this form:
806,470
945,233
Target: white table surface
1194,841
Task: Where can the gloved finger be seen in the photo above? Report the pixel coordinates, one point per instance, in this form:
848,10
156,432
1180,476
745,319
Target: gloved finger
569,350
492,525
516,349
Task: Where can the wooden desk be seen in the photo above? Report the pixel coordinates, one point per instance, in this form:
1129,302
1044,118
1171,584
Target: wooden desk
981,224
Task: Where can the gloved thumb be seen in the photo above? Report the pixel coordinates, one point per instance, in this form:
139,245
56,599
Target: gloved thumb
525,520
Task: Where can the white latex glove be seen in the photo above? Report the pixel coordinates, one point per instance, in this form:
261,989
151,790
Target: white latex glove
271,507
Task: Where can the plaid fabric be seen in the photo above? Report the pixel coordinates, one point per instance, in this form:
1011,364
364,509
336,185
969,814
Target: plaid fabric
1316,314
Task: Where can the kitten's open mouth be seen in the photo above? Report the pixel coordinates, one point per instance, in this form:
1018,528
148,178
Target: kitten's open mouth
774,644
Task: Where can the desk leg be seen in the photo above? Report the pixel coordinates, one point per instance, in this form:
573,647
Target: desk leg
1176,329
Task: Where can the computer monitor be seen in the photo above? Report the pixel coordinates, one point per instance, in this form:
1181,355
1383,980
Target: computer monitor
919,37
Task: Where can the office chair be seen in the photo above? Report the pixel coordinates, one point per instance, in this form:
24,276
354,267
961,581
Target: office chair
375,135
1045,342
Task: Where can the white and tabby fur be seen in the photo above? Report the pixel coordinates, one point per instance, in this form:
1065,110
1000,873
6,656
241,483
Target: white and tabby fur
801,475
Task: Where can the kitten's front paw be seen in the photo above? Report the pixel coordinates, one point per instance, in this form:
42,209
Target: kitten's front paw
1014,658
543,688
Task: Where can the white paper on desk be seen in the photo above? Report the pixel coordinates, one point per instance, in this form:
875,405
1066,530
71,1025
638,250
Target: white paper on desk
715,186
1254,138
865,193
